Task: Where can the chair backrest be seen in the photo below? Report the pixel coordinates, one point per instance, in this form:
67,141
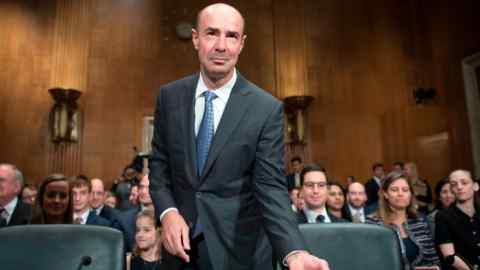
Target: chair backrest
350,246
52,247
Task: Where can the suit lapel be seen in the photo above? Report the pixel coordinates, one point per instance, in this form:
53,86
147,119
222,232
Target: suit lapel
236,107
188,120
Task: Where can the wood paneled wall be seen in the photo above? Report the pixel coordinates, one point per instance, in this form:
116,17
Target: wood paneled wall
361,61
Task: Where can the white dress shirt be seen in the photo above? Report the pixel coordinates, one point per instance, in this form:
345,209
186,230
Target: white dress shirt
312,215
360,212
9,208
83,216
219,103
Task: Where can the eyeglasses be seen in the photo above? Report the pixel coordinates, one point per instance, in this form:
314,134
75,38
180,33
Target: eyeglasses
313,184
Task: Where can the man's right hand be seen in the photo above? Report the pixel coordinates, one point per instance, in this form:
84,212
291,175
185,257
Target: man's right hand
175,235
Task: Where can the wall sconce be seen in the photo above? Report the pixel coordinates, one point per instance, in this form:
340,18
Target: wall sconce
295,107
424,95
64,116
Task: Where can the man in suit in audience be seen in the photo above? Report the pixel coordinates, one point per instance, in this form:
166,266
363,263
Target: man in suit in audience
128,218
216,171
12,210
97,203
293,179
82,213
373,185
314,188
356,199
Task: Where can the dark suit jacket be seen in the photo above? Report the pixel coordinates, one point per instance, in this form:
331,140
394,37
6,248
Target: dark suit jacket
290,181
127,220
21,215
348,215
371,188
93,219
302,218
242,194
111,215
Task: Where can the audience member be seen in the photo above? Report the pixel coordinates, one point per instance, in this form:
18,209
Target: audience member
457,228
82,213
444,198
98,206
12,210
147,251
122,188
398,167
110,199
294,198
356,199
373,185
336,200
29,194
398,210
300,201
293,179
128,217
314,189
421,189
54,204
133,198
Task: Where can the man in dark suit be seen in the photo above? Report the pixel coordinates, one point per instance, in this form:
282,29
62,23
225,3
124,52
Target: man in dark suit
373,185
97,204
12,210
217,178
314,189
293,179
356,198
82,213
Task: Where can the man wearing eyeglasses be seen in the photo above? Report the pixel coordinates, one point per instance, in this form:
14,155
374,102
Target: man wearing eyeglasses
314,188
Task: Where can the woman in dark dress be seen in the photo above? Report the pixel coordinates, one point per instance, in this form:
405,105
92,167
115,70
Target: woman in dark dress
53,205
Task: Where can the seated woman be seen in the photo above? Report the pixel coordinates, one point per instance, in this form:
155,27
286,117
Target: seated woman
54,204
444,198
336,200
397,210
146,254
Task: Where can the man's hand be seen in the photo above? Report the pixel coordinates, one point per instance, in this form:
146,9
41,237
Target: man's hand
304,261
175,235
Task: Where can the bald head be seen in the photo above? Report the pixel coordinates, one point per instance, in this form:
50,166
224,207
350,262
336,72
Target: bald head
219,8
97,195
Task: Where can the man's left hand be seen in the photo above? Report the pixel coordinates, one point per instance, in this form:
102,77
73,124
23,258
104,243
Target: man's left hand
304,261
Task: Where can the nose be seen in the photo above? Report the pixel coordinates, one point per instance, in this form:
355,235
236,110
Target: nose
221,43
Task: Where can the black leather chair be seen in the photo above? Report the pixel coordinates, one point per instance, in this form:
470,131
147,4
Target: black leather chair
62,247
349,246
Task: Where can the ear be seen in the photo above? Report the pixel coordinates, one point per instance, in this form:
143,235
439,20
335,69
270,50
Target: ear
475,186
385,195
244,37
195,38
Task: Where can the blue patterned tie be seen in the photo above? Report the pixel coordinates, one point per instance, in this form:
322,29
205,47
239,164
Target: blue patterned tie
205,132
204,139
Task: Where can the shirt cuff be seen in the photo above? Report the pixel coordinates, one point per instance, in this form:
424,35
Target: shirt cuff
284,261
166,211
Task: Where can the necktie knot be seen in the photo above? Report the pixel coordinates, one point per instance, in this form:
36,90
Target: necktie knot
320,218
209,96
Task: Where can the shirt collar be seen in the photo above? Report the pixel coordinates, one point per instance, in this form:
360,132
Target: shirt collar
378,180
354,210
83,216
10,207
223,93
312,215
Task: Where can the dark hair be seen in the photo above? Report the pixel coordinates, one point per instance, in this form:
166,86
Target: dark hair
150,215
39,214
438,190
310,168
384,209
331,183
376,165
296,158
399,163
81,181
